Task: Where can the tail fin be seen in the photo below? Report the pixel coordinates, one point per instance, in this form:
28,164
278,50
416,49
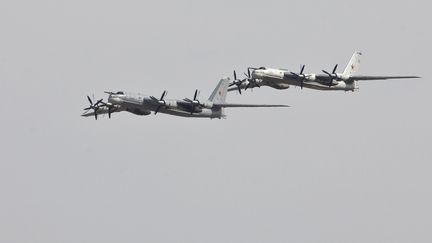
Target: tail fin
220,92
353,64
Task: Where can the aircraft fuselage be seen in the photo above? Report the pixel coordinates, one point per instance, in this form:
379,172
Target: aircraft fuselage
276,78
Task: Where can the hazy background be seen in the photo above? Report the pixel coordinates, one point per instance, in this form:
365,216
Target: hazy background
335,167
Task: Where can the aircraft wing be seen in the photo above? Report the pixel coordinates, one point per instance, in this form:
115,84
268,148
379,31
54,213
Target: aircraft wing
247,105
289,75
363,77
324,77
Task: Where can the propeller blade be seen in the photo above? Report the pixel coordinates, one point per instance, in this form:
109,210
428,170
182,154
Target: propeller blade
235,75
163,95
324,71
157,110
91,102
196,93
302,69
334,69
99,101
95,107
239,89
249,75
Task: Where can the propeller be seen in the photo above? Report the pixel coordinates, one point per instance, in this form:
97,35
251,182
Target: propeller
302,77
237,82
161,102
195,102
95,107
332,75
250,79
111,108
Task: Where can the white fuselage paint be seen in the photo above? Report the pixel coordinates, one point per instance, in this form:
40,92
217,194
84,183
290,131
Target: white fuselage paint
131,102
271,76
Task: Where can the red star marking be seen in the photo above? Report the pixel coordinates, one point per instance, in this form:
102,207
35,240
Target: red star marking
220,92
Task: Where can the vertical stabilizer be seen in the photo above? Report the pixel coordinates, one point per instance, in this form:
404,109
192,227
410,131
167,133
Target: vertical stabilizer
220,92
353,64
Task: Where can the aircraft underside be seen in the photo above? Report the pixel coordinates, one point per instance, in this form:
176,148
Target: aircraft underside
275,83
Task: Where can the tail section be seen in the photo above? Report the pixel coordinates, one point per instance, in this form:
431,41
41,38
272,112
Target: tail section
220,92
353,64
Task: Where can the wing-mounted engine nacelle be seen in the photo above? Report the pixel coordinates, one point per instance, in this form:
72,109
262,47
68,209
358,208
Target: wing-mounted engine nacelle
138,111
279,86
196,109
171,104
199,106
207,104
342,77
202,105
310,77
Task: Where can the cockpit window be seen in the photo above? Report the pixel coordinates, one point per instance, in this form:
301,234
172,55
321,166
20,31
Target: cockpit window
262,68
120,93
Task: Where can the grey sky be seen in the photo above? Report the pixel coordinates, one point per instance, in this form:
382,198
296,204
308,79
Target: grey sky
336,167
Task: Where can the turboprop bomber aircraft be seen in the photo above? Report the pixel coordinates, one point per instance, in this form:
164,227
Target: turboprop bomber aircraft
139,104
282,79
